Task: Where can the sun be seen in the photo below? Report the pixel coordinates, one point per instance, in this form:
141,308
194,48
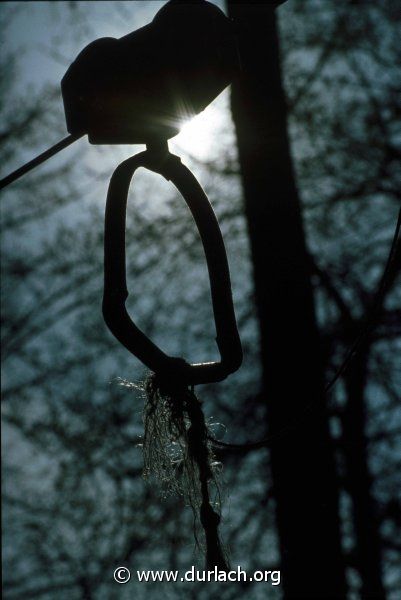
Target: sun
198,136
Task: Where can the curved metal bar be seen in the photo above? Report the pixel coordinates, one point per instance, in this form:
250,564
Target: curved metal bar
115,286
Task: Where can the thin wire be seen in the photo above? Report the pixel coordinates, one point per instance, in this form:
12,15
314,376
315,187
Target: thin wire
70,139
350,355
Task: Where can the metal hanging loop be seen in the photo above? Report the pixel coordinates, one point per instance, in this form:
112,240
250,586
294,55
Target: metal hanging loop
158,159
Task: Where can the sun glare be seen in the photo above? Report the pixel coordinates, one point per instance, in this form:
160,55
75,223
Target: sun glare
198,135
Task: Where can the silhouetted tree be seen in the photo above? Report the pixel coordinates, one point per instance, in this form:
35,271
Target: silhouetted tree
347,102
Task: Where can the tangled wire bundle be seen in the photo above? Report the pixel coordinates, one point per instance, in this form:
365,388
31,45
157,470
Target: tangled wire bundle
177,451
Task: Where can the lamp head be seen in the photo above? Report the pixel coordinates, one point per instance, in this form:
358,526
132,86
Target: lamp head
142,86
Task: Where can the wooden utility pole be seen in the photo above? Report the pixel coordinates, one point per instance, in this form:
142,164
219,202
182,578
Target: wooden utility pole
304,478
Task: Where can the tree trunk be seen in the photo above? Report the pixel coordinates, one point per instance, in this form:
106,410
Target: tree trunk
368,547
304,478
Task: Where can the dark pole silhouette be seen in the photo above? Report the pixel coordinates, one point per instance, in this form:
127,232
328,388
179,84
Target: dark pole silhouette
305,485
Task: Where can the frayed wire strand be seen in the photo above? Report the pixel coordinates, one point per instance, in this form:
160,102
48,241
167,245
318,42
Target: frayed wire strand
177,451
